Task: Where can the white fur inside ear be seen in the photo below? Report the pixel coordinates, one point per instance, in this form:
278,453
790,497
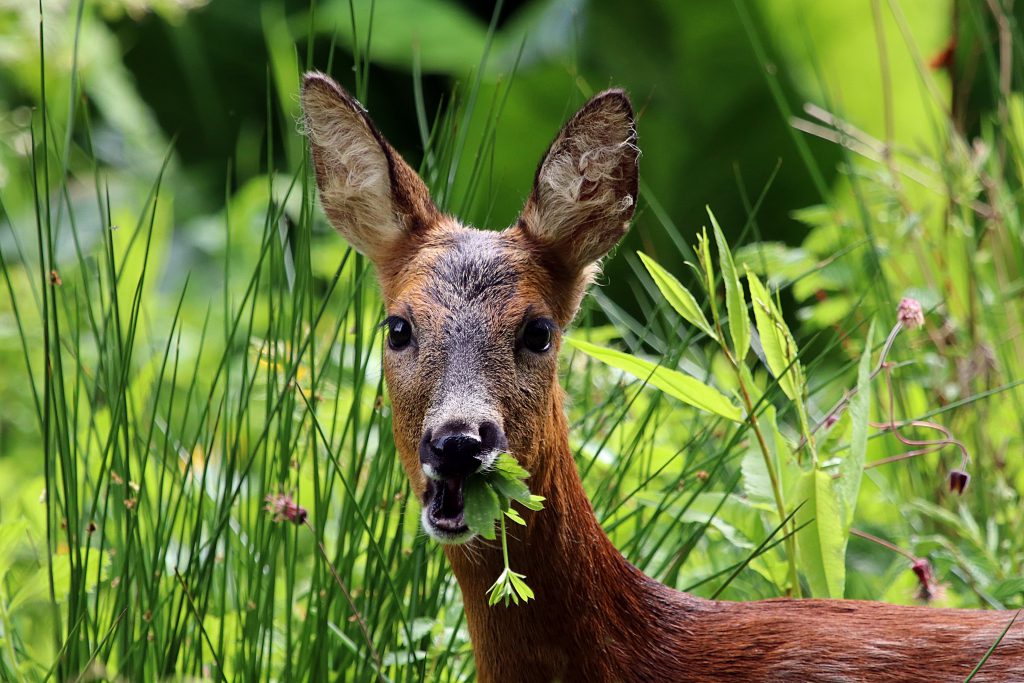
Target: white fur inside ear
580,180
586,186
352,171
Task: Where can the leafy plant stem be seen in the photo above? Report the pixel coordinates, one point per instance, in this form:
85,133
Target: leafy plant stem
772,476
504,543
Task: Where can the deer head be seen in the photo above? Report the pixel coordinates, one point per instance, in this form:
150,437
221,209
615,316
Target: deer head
474,317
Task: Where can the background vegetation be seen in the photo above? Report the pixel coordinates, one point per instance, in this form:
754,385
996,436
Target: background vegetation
182,335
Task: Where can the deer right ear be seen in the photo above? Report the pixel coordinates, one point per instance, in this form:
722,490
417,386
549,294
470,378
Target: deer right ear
585,190
370,195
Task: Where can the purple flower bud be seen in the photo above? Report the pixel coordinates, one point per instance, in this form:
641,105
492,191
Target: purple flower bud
923,569
958,480
926,585
910,314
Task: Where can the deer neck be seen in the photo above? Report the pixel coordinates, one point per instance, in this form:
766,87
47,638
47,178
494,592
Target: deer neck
592,610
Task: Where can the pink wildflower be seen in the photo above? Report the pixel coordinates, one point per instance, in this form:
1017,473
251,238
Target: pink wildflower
910,314
284,507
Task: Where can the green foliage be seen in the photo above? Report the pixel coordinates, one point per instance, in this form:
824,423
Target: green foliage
777,342
674,383
488,499
482,507
821,543
182,335
736,305
677,295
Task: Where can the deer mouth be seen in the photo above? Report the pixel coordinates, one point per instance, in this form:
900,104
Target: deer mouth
444,510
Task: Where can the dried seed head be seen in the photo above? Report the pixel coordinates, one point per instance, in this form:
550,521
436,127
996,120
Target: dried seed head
910,314
958,480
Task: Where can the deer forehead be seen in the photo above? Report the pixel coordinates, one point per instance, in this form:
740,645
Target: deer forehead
462,274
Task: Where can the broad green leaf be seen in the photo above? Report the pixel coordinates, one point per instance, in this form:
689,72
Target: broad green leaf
822,542
789,469
757,483
513,489
13,534
735,303
674,383
851,468
481,506
677,295
776,341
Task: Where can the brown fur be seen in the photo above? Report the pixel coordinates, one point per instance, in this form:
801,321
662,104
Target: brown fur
595,617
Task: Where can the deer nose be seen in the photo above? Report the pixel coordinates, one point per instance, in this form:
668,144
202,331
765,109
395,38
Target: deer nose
457,449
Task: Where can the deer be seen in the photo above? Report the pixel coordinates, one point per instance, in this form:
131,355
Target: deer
474,325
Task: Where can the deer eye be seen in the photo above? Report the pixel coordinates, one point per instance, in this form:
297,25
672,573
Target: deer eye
537,335
399,332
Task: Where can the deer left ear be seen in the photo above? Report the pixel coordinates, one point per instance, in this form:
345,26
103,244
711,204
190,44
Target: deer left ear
370,195
585,190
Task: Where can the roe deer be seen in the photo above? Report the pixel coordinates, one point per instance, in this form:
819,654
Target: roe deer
473,331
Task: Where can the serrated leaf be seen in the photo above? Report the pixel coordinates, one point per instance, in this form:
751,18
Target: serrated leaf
735,303
674,383
822,542
513,489
678,296
851,467
509,467
481,506
777,342
535,502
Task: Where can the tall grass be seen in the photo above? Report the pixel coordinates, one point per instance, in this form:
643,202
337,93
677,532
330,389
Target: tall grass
170,405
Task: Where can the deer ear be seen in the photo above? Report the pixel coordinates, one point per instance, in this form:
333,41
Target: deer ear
585,190
370,195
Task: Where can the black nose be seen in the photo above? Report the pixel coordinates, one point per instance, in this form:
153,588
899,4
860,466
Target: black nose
456,449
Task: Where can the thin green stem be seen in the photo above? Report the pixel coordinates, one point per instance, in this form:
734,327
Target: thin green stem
752,419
